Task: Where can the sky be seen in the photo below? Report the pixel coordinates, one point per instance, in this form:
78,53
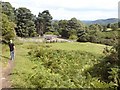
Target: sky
67,9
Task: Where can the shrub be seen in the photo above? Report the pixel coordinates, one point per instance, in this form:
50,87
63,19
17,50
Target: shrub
107,41
93,39
114,65
107,38
49,33
64,69
83,38
73,37
55,33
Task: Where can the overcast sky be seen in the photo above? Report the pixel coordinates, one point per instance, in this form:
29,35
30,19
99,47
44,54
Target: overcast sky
66,9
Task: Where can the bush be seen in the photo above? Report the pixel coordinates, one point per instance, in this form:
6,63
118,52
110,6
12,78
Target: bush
114,65
107,41
93,39
107,38
56,33
83,38
73,37
49,33
63,69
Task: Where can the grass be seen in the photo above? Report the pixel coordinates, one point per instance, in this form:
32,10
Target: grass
23,66
23,69
5,55
87,47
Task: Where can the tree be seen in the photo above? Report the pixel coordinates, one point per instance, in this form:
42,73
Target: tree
55,25
100,27
109,25
43,22
114,26
69,27
72,34
8,31
96,27
104,28
63,28
39,24
8,10
47,21
119,24
76,27
73,23
25,23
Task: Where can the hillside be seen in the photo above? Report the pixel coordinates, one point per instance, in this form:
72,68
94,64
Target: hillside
102,21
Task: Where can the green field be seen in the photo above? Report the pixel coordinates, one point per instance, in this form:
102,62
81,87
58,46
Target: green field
60,65
88,47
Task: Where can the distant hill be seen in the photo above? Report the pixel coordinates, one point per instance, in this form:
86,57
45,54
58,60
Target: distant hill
101,21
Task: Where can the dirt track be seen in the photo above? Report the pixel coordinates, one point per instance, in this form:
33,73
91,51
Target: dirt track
5,75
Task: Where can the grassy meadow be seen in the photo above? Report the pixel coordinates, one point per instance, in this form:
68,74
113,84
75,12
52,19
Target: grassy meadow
60,65
87,47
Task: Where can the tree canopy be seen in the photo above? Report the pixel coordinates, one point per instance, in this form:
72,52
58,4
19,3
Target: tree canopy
25,23
8,31
43,22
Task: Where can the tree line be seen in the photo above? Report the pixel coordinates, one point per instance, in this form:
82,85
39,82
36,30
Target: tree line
21,22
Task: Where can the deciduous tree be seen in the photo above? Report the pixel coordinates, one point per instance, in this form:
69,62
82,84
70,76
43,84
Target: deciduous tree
25,23
8,28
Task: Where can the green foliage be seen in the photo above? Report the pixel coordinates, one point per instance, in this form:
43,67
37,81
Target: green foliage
72,32
63,30
107,38
43,22
7,21
104,28
8,10
109,25
93,27
55,65
114,26
70,27
67,68
73,37
119,24
55,26
75,24
8,31
64,33
114,75
56,33
114,67
25,24
49,33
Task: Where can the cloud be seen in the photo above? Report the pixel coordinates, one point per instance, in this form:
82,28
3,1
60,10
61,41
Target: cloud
86,15
66,9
